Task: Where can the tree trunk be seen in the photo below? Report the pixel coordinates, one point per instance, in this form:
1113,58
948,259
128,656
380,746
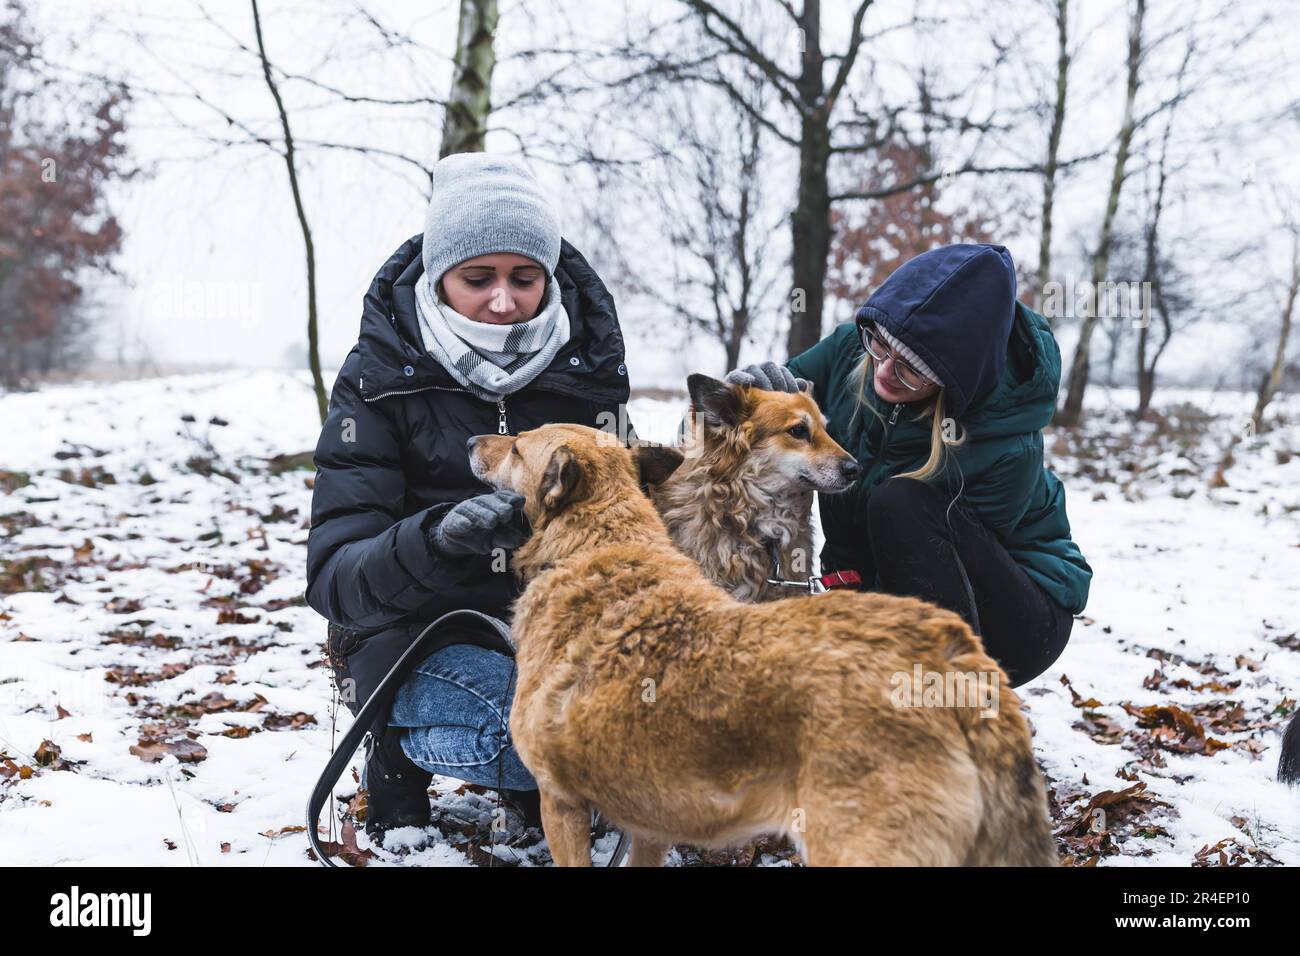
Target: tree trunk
1273,381
1053,149
812,240
743,312
465,126
733,342
1146,384
1146,372
313,340
812,214
1073,408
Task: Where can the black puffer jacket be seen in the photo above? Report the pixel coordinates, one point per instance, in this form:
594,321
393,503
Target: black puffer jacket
391,461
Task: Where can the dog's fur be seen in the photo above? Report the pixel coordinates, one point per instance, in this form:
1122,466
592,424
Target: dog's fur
757,458
685,716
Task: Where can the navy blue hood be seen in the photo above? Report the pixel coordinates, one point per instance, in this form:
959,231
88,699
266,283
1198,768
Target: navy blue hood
953,307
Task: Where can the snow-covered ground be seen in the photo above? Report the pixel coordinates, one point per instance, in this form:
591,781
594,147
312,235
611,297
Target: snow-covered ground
151,603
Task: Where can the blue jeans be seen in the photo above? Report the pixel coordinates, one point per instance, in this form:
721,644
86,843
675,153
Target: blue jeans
456,706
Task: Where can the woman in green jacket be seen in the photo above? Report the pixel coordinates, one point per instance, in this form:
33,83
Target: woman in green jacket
940,388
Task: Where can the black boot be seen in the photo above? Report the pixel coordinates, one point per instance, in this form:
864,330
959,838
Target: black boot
528,803
398,788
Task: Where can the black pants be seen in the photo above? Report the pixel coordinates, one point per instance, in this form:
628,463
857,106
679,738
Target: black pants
924,548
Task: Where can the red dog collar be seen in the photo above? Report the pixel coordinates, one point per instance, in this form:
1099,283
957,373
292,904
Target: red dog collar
841,579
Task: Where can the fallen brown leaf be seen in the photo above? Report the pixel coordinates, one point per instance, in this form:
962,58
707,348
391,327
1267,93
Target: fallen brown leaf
346,848
184,750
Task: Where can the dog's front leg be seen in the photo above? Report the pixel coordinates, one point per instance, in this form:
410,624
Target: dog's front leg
646,852
567,827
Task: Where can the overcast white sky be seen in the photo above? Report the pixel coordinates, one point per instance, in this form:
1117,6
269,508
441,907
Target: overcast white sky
214,254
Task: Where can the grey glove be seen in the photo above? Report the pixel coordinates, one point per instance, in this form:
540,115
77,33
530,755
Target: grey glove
768,376
481,524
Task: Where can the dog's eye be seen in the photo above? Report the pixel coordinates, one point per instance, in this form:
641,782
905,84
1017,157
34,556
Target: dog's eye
800,432
514,449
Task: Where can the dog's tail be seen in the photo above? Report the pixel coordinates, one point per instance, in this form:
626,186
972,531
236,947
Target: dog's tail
1016,828
1288,765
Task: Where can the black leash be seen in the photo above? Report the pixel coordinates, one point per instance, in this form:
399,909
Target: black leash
496,637
496,816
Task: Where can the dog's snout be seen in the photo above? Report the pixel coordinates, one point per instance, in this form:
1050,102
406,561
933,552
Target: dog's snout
850,469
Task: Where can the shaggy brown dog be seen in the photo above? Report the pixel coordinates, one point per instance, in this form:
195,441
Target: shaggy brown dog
749,479
685,716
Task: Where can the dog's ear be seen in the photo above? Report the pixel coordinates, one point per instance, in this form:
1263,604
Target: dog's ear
654,463
562,481
721,403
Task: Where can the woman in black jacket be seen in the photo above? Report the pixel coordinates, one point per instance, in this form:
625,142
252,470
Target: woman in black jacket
488,323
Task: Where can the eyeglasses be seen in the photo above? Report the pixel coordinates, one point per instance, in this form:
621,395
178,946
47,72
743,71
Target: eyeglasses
904,374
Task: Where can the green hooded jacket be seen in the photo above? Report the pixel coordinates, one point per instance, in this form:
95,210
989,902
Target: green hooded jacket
998,471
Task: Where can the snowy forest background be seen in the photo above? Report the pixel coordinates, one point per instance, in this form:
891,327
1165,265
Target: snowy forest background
195,196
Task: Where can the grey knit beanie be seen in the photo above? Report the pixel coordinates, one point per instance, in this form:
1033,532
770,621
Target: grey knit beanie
909,356
485,204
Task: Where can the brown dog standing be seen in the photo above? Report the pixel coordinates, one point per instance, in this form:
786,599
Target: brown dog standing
685,716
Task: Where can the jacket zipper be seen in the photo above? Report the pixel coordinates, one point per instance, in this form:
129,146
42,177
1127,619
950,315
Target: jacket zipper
884,443
502,427
412,391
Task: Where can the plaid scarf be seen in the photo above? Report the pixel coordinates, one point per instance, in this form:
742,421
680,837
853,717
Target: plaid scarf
491,361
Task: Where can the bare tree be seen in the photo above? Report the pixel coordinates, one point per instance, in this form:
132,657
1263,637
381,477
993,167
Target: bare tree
1153,268
1062,17
1071,411
826,108
701,188
1220,69
716,221
313,339
1271,382
237,132
464,125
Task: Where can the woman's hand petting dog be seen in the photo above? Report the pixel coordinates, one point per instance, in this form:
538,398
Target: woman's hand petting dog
481,524
768,376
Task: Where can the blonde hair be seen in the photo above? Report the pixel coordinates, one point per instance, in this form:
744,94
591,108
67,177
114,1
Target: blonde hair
939,441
